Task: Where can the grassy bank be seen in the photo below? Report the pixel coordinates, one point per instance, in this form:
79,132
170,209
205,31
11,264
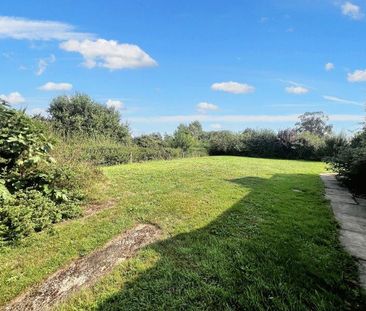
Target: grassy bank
240,233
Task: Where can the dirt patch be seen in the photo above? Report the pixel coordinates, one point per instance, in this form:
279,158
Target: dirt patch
85,271
91,209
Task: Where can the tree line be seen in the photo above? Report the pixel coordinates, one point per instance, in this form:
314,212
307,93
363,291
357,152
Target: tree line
49,165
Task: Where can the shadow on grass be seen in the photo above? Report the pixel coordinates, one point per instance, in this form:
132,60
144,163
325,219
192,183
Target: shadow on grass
276,249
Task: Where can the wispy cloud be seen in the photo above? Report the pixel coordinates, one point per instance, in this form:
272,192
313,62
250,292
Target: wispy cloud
357,76
236,118
233,87
352,10
27,29
342,101
13,98
109,54
294,83
297,90
215,118
43,64
204,107
52,86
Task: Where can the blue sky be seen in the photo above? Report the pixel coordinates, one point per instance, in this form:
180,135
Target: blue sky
230,64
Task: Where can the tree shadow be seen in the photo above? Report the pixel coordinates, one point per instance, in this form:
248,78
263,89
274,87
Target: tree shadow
275,249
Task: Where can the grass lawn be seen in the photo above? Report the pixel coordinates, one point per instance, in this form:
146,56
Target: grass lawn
239,234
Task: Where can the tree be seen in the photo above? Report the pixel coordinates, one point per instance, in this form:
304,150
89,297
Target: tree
183,138
315,123
81,114
195,128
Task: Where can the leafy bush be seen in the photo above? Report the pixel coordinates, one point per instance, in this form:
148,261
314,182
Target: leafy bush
309,146
260,143
22,147
350,163
224,143
30,211
154,140
34,190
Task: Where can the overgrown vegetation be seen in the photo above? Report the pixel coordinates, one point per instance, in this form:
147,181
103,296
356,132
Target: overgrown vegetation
35,190
350,162
311,139
79,114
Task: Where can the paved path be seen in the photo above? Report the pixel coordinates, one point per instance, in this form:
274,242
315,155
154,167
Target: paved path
85,271
351,214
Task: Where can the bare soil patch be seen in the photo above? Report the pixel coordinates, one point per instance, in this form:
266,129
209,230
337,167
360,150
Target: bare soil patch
93,208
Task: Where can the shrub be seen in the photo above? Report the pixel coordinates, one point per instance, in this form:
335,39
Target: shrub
261,143
309,146
350,163
34,190
154,140
30,211
224,143
22,146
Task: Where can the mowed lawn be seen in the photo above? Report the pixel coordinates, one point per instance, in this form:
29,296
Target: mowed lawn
239,234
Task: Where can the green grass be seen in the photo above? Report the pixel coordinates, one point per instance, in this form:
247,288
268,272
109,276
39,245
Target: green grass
236,237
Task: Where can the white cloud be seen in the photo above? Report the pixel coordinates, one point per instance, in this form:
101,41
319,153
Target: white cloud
205,107
342,101
38,111
357,76
352,10
298,90
109,54
115,104
233,87
52,86
26,29
13,98
43,64
329,66
216,126
235,118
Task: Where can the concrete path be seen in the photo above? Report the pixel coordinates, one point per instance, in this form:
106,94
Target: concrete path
85,271
351,214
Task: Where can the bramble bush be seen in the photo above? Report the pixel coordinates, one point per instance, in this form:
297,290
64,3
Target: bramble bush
33,193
